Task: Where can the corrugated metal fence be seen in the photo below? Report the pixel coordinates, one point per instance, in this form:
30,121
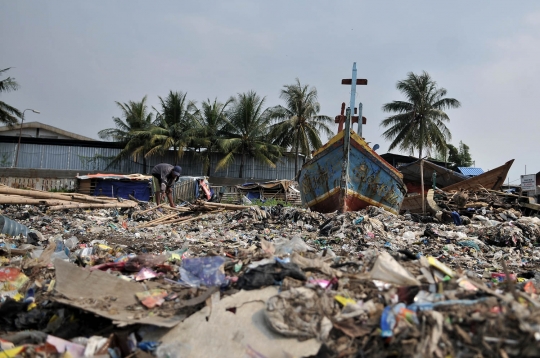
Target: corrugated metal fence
73,157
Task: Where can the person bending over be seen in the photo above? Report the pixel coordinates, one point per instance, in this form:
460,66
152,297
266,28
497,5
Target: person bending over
166,175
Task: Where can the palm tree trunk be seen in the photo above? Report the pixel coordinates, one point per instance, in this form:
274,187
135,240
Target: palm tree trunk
208,162
296,162
296,154
242,165
144,164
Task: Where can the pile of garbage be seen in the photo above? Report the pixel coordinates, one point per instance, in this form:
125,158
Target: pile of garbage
492,204
267,282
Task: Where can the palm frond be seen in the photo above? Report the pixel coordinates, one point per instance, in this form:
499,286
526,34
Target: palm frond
418,122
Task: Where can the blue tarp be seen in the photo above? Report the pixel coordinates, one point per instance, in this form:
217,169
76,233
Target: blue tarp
251,195
140,189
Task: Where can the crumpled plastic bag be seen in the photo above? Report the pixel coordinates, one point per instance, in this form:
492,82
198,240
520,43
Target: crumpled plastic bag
267,275
287,247
207,271
387,269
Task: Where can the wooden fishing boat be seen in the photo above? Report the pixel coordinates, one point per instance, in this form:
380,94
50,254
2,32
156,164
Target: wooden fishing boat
347,175
492,179
413,172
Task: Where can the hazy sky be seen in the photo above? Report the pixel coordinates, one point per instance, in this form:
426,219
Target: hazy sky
74,59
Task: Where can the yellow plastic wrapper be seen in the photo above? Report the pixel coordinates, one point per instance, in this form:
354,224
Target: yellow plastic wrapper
344,301
13,352
440,266
105,248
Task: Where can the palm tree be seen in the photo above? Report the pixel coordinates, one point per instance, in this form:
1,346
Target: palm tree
419,122
175,126
247,133
212,119
299,123
8,114
137,119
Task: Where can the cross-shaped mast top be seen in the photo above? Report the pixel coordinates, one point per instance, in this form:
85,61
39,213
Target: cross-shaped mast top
353,82
340,119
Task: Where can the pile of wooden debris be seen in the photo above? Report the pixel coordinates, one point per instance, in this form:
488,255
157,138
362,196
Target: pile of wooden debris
481,201
163,214
59,201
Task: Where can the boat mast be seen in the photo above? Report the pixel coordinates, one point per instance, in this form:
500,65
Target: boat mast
347,143
347,134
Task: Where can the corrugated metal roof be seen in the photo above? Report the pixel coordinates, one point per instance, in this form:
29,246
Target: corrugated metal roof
471,171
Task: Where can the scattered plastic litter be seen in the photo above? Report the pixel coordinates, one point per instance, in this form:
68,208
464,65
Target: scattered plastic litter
101,282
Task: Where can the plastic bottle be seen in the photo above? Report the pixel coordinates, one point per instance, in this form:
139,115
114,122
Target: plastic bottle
71,243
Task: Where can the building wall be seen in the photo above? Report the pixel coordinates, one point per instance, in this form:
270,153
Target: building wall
92,159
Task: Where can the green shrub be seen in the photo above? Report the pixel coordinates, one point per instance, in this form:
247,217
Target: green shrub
270,202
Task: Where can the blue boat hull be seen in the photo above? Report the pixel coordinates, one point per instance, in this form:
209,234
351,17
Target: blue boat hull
367,179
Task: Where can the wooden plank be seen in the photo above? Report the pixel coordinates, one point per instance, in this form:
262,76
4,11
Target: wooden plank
125,204
531,206
359,81
47,195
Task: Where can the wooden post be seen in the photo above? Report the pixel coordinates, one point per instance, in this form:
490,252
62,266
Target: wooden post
422,184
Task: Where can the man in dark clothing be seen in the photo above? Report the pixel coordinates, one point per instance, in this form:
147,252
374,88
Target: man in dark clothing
165,175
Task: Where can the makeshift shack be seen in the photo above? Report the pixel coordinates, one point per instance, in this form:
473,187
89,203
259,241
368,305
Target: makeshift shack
191,188
283,190
115,185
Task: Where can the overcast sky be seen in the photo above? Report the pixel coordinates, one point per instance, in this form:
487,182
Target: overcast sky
74,59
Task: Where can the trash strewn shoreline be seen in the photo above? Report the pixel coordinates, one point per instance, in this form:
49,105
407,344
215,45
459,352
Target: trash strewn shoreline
269,282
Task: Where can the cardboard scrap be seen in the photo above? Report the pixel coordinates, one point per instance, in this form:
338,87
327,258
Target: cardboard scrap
235,334
104,294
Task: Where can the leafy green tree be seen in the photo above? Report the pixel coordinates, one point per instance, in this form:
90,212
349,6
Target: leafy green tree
136,118
8,114
419,122
247,133
212,117
460,157
175,126
298,122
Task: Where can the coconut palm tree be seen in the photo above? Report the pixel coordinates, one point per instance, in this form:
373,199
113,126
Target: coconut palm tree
175,126
136,119
212,119
247,133
419,122
8,114
298,122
